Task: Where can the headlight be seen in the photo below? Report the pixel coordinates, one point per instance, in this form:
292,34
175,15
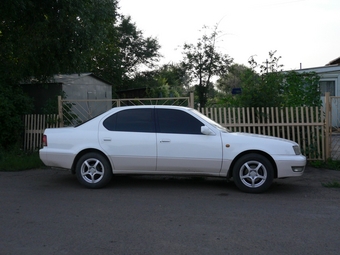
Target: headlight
297,149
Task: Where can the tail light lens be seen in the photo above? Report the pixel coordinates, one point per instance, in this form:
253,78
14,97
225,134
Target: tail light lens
44,140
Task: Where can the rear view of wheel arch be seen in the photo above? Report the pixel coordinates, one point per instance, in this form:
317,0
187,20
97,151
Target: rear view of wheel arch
83,152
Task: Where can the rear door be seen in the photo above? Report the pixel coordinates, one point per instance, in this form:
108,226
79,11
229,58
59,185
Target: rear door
182,148
129,138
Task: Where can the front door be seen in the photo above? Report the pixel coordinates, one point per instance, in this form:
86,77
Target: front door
182,148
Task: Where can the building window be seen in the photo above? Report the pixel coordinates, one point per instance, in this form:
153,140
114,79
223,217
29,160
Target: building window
327,86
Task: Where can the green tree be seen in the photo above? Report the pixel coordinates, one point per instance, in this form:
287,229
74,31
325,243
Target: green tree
127,54
301,89
267,85
169,80
234,78
202,62
13,104
175,77
42,38
265,88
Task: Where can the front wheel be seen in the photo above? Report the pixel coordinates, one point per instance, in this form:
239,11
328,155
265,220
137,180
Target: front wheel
253,173
93,170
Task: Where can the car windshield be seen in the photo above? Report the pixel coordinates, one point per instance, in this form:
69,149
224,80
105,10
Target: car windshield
210,121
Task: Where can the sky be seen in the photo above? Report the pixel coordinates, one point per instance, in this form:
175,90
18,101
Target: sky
305,33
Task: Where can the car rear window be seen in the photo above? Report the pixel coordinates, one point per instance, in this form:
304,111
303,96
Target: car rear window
131,120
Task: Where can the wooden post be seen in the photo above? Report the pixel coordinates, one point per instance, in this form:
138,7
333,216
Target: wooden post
328,125
191,100
60,111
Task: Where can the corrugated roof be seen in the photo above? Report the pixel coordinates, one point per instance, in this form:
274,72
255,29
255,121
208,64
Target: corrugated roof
334,62
69,78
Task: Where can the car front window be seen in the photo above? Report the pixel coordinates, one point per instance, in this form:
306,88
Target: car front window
210,121
177,122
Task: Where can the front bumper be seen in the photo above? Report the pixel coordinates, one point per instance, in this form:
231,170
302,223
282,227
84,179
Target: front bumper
290,166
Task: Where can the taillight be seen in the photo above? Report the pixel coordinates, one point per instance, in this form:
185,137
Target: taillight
44,140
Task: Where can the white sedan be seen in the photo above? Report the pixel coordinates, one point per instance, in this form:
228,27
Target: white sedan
168,140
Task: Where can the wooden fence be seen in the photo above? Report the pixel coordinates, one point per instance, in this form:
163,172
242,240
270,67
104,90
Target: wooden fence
305,125
35,125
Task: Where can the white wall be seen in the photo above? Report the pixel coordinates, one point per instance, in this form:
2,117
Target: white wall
329,73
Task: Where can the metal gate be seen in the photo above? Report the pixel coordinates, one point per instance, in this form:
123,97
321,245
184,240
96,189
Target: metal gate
332,122
74,111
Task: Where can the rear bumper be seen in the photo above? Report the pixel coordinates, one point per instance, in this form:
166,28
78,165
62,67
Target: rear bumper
56,158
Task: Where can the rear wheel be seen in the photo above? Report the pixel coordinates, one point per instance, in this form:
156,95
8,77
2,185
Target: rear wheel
93,170
253,173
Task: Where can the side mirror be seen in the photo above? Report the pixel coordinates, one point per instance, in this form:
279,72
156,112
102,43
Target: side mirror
206,131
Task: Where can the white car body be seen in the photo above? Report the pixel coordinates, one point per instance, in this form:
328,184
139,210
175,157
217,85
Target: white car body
214,152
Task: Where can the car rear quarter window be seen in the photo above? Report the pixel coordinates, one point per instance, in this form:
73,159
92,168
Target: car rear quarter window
177,122
131,120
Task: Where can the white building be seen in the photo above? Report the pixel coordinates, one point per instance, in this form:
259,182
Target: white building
329,82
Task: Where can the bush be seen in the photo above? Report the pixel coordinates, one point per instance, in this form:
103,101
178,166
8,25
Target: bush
329,164
13,104
16,160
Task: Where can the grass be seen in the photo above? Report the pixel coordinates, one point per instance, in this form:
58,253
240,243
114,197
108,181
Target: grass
332,184
19,160
329,164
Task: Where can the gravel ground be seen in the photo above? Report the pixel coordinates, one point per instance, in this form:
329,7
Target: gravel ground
46,211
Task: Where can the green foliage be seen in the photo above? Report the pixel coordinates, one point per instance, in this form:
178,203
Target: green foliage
263,89
236,77
301,89
317,163
15,160
267,85
42,38
329,164
13,104
203,62
126,53
175,76
332,184
167,81
270,86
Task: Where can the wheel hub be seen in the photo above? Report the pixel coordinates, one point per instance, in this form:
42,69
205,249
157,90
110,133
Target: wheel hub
253,173
92,170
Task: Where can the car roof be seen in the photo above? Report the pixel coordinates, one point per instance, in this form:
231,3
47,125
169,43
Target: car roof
153,106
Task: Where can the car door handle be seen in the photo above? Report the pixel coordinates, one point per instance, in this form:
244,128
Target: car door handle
107,139
165,141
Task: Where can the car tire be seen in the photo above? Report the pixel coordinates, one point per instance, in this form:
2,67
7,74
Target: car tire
93,170
253,173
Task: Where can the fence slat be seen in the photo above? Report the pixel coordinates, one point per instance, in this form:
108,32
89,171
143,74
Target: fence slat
304,125
35,124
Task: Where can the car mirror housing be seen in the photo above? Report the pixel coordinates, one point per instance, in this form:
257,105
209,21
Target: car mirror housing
206,131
